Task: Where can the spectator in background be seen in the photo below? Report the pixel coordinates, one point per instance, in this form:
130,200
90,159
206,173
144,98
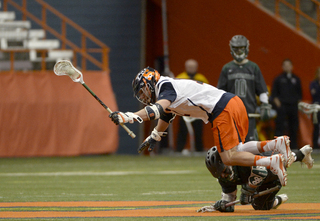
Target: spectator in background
315,93
243,78
286,94
191,72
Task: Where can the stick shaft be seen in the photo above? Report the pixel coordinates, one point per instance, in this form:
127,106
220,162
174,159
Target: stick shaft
254,115
130,133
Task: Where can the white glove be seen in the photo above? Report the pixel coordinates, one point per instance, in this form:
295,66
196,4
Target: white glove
150,142
121,118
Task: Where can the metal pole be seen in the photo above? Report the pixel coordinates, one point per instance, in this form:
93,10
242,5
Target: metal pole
165,40
166,61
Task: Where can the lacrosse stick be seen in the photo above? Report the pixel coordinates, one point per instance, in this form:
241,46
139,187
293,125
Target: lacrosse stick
310,109
64,67
212,209
254,115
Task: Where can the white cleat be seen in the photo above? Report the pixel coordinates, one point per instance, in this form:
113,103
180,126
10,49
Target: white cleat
282,198
283,147
277,168
307,150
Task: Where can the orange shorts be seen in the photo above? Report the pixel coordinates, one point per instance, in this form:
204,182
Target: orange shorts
231,126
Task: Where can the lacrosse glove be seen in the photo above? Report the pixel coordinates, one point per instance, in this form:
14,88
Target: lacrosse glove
265,111
121,118
246,194
150,142
221,206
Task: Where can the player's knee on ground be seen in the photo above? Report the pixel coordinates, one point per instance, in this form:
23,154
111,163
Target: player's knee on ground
265,204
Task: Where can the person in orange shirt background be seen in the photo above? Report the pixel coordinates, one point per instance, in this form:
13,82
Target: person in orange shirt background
191,72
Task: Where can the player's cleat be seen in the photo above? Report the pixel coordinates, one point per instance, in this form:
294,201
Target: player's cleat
282,198
307,150
277,168
283,147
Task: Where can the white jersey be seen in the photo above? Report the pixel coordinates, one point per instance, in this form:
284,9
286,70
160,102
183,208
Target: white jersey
188,97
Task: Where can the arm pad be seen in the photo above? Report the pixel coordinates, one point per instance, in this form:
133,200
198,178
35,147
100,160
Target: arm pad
154,111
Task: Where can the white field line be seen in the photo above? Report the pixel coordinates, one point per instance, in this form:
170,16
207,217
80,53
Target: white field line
93,173
175,192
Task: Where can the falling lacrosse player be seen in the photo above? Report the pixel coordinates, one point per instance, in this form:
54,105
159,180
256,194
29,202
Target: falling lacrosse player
252,180
164,97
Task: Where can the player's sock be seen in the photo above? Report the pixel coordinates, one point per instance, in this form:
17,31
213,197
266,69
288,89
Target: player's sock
294,156
298,155
268,145
262,161
250,146
275,202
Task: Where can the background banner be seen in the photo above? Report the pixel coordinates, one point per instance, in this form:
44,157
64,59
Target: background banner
42,114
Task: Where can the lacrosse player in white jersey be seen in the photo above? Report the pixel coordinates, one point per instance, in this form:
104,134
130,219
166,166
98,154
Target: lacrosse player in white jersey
165,97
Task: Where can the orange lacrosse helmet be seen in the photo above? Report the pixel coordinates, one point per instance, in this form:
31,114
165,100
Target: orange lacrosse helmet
144,85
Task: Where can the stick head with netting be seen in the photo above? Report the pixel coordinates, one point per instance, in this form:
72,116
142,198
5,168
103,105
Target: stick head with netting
65,67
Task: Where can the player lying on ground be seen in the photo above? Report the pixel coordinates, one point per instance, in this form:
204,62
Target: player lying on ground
165,97
252,179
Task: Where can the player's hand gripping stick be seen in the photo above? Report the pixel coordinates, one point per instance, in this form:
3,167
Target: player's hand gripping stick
255,195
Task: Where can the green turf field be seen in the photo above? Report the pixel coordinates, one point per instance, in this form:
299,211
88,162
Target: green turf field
128,178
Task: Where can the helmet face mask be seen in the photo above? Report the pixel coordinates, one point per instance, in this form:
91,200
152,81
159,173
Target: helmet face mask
227,174
239,47
144,95
144,85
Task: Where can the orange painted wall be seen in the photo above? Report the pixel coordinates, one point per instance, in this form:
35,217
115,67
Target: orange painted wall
202,30
45,115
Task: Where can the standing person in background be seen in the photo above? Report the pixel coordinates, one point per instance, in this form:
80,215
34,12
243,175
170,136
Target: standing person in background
243,78
315,93
286,94
191,72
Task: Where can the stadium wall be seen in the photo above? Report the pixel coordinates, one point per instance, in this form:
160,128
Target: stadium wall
202,30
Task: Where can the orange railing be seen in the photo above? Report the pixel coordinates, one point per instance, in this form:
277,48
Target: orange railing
82,50
299,13
12,53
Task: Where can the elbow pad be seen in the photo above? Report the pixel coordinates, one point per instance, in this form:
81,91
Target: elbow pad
167,117
154,111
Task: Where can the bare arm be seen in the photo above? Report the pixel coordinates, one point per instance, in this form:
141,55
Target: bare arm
161,126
